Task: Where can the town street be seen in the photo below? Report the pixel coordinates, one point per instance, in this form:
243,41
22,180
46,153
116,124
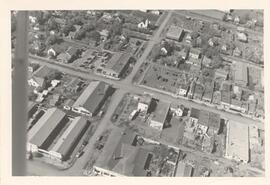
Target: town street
129,87
155,39
122,87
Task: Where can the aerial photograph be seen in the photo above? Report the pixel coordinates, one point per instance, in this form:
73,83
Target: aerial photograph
144,93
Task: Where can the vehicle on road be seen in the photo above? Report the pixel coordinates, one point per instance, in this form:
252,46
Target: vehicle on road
79,154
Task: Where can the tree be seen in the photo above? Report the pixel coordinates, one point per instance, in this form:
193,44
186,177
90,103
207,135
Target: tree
53,25
89,27
94,35
194,34
52,39
115,29
80,34
79,20
68,28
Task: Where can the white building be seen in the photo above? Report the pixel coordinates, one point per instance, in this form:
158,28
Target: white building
144,104
237,141
144,24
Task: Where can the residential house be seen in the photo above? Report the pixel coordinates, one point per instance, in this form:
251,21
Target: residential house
145,103
183,90
72,34
160,115
193,61
104,34
175,33
183,53
237,52
60,21
92,98
74,85
206,61
144,24
56,50
236,20
69,55
33,67
195,53
221,73
36,82
156,12
164,51
242,37
39,77
213,42
55,99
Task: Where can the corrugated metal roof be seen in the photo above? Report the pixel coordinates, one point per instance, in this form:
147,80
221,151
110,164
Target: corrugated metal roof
92,96
71,134
45,125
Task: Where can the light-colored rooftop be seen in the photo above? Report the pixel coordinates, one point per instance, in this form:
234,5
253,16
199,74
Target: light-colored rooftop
161,111
237,141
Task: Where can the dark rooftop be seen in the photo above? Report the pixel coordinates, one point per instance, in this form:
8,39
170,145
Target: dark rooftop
91,97
195,113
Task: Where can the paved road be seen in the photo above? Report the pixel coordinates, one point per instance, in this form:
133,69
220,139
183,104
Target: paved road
122,87
76,169
155,39
127,86
37,168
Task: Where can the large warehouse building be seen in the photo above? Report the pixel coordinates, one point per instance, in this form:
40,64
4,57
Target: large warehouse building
92,98
42,134
69,139
237,144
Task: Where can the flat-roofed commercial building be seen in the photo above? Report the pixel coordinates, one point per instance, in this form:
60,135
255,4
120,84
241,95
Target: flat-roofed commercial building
117,65
175,33
69,139
43,133
240,74
160,115
92,98
121,156
237,141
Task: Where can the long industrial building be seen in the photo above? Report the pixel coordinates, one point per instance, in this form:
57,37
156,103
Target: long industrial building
92,98
43,133
69,139
237,141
